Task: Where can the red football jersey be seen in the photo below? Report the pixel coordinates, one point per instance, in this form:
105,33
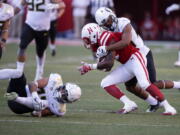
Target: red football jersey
123,54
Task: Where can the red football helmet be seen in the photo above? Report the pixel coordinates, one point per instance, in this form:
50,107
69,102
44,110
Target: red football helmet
89,34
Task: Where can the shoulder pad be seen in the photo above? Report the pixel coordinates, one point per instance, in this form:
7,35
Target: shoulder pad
56,78
7,12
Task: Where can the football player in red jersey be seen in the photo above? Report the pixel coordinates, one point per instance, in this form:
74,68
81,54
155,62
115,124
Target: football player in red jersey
90,42
133,64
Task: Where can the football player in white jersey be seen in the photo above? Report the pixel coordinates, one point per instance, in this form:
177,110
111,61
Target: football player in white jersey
107,19
23,98
169,9
6,13
36,27
55,14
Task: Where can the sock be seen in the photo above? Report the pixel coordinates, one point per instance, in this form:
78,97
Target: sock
27,101
125,99
20,65
52,46
40,66
176,85
151,100
12,73
114,91
155,92
179,56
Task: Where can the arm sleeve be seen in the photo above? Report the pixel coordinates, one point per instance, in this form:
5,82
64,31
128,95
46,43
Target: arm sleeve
122,23
57,108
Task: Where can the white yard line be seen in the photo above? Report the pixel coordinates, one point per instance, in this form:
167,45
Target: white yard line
90,123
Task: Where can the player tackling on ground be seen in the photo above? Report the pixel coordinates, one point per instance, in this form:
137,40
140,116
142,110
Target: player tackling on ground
25,98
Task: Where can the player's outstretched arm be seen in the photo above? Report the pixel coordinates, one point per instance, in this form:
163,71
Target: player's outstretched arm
61,9
4,33
33,86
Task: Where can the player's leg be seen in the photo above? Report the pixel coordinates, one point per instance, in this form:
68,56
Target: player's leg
41,45
26,38
52,36
177,63
18,105
132,87
18,100
0,52
119,75
161,84
141,73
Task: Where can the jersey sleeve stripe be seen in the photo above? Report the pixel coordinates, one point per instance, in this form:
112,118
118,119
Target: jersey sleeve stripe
102,39
141,60
106,39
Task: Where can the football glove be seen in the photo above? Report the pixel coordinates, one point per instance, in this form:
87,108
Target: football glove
101,52
37,104
86,67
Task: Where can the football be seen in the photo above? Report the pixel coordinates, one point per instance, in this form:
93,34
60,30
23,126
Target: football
102,59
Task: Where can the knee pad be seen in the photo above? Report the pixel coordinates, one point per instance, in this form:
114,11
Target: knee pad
144,84
105,83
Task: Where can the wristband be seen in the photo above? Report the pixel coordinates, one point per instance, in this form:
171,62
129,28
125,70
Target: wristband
94,66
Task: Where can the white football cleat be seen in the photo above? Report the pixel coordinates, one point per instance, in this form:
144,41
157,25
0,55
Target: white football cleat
170,111
177,64
128,108
11,96
39,75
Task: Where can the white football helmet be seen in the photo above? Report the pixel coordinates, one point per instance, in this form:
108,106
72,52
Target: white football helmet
90,33
106,18
67,93
74,92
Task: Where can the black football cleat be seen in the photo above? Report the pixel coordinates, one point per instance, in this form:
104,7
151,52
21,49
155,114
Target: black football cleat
153,108
53,53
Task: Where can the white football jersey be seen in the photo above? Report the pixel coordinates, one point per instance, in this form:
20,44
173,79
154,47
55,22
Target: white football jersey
54,14
37,16
6,12
54,82
136,39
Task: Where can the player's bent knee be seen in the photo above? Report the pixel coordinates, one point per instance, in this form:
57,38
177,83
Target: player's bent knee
17,73
144,85
104,83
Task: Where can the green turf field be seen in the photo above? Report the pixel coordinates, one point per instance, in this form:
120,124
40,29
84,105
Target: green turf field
91,115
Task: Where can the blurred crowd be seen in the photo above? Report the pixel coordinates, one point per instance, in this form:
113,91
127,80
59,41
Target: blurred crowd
160,29
78,13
